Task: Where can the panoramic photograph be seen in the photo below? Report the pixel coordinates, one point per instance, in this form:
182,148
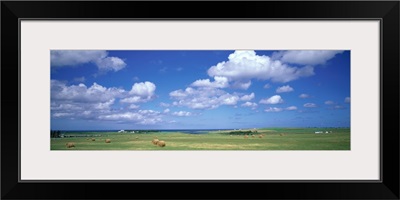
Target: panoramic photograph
200,100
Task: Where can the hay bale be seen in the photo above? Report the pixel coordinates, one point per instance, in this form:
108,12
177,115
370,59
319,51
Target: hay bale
155,141
93,139
246,136
252,136
161,143
70,144
260,136
108,141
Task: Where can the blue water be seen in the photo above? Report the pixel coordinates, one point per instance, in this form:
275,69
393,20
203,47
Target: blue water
188,131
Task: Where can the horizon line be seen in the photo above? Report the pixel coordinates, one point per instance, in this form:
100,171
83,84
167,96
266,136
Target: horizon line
193,129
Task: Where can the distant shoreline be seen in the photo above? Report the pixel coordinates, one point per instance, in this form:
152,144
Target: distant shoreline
196,130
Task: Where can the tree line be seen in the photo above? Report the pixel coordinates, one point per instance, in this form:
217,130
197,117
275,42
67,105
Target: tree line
243,132
55,134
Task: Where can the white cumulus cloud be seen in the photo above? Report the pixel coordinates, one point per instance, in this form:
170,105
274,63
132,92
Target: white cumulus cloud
104,105
304,96
219,82
133,106
310,105
329,102
248,97
229,99
242,66
272,100
110,64
306,57
182,114
339,107
251,105
143,89
140,92
98,103
62,114
291,108
244,85
204,98
82,93
283,89
74,57
134,99
100,58
273,109
122,116
144,117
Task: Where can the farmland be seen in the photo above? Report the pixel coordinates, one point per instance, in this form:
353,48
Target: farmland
262,139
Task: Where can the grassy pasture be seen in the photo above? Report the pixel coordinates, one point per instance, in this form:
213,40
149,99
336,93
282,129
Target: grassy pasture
273,139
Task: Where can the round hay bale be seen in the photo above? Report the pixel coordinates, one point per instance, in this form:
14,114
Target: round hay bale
252,135
246,136
155,141
260,136
108,141
161,143
70,144
93,139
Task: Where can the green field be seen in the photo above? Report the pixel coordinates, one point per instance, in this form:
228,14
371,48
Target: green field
272,139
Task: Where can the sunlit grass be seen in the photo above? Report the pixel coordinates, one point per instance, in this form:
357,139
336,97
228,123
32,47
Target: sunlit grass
274,139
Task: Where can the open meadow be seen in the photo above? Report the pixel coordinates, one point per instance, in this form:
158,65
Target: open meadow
262,139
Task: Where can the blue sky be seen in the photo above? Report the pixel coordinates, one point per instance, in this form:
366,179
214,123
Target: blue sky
98,90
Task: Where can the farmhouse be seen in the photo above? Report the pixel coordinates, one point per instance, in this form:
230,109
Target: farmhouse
316,132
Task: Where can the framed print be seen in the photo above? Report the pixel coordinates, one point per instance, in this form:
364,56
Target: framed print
115,94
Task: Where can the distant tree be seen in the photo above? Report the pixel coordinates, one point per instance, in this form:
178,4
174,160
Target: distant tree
55,134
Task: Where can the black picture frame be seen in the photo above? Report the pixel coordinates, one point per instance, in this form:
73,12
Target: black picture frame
386,11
